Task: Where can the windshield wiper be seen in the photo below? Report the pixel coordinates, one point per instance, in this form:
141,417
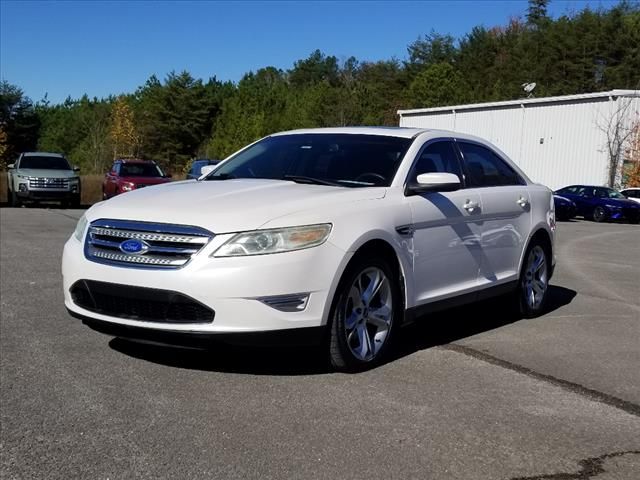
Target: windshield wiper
221,176
311,180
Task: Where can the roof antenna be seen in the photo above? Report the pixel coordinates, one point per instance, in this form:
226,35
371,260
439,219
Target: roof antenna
528,88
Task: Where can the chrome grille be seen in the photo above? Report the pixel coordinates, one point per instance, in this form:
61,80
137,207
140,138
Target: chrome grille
48,183
165,245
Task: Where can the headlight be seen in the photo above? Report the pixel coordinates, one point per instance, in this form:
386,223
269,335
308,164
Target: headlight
126,187
80,227
277,240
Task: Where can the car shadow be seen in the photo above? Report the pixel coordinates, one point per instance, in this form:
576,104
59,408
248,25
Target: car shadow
427,332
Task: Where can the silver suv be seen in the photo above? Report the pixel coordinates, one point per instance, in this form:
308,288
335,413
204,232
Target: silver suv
41,176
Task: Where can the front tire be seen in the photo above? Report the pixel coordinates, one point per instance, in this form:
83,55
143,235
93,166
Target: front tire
14,201
366,308
599,214
533,285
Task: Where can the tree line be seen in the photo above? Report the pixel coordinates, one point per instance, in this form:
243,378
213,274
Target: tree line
180,117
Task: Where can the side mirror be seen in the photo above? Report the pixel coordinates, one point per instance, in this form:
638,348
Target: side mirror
76,169
11,166
207,169
434,182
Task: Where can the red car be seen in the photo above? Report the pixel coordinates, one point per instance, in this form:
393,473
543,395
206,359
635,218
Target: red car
127,175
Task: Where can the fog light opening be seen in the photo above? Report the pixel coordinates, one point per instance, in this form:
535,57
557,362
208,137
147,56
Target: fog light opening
295,302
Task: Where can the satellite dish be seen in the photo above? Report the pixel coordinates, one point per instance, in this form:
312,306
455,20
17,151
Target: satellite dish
528,87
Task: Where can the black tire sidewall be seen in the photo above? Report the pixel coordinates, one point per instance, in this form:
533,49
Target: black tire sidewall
602,218
341,357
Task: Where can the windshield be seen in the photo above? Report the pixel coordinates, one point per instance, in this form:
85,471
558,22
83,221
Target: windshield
347,160
608,193
44,162
140,170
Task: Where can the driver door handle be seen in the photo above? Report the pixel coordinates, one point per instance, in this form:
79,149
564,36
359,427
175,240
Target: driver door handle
523,202
470,206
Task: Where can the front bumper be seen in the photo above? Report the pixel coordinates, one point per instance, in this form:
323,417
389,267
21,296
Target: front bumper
205,340
44,195
234,288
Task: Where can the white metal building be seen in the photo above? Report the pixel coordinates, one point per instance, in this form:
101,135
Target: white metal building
557,141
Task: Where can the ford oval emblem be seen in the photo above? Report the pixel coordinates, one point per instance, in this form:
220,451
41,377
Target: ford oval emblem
134,247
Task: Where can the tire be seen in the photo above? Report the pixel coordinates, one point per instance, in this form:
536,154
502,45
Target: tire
533,284
599,214
14,201
75,202
361,330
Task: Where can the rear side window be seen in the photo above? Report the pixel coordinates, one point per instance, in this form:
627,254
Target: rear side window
486,169
437,157
568,190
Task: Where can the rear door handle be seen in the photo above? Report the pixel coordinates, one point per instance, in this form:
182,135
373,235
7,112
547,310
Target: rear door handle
470,206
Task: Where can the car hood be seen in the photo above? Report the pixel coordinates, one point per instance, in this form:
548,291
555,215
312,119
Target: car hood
224,206
43,172
561,199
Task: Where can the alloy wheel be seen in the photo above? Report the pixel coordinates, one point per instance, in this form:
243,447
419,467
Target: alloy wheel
536,278
368,313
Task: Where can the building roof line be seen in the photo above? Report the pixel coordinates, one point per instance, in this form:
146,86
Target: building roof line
523,102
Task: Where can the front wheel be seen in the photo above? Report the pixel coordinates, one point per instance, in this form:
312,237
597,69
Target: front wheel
14,201
533,285
599,214
366,307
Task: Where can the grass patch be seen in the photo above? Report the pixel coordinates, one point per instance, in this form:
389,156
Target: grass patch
4,198
91,188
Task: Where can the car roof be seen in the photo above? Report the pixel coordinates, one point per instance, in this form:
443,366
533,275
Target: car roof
402,132
133,160
630,188
42,154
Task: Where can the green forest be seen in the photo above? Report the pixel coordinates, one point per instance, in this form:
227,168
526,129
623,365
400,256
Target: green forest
177,118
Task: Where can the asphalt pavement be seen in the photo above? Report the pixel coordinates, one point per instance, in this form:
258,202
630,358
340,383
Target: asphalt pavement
473,393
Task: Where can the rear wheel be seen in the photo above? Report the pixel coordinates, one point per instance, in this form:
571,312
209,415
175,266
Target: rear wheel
533,285
366,307
599,214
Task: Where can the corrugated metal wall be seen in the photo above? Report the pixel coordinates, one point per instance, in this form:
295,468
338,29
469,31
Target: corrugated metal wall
556,144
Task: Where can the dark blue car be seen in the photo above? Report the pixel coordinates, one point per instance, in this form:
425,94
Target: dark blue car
196,167
601,203
565,208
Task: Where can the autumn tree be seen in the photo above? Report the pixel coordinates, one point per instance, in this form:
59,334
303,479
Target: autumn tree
124,136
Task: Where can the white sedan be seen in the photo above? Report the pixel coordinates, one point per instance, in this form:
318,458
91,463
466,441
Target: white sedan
632,193
337,235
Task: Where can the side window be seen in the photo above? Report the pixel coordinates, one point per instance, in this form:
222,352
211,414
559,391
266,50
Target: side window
486,169
568,190
116,168
437,157
585,192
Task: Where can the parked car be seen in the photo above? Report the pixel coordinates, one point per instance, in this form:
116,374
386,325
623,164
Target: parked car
632,193
565,208
128,175
601,203
342,234
196,167
43,176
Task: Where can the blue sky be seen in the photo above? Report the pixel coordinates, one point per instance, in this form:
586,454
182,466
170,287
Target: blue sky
68,48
